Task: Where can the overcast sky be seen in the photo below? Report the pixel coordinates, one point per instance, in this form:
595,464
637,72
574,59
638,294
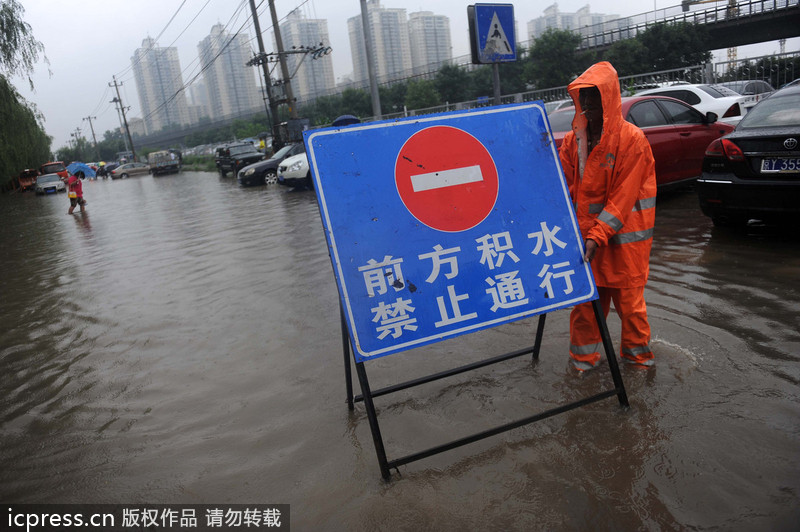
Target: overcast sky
89,41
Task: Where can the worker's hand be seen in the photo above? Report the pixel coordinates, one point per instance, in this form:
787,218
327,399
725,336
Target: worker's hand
591,248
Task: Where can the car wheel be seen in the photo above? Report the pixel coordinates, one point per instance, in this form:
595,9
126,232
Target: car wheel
222,172
270,177
123,176
309,182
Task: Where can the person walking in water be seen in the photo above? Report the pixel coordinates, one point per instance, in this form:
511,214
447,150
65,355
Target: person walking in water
75,192
610,170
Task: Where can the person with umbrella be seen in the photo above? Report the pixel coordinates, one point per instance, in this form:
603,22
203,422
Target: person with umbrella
75,192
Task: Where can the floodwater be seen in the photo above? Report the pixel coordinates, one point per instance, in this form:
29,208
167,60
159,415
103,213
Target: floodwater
180,343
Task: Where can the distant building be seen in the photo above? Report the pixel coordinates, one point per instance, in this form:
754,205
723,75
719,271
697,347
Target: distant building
313,77
230,83
553,18
390,43
136,127
159,82
429,35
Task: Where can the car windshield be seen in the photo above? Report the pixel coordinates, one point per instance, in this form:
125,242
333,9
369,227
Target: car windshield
561,121
48,178
282,152
53,168
238,150
776,111
736,86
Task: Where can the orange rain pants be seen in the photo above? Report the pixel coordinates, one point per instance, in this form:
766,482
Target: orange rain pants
585,341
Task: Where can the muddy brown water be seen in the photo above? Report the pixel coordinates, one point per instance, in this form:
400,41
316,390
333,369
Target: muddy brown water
180,343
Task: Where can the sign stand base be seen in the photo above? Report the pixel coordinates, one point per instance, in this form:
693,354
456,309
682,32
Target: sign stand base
367,395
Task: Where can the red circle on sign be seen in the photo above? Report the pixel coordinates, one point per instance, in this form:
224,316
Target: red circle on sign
446,178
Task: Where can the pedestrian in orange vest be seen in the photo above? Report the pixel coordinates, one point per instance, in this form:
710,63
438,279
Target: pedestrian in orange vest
609,167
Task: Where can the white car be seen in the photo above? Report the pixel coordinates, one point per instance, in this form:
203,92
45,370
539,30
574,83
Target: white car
49,184
727,104
294,172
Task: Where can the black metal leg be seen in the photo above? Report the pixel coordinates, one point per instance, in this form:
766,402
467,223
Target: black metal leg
539,333
611,355
348,378
373,421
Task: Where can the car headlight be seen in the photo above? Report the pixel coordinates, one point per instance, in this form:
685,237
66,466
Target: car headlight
296,166
250,171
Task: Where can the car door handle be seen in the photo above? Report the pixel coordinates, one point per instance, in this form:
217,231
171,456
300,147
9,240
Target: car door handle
685,134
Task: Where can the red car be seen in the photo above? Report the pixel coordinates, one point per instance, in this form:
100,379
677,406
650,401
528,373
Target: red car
54,167
677,132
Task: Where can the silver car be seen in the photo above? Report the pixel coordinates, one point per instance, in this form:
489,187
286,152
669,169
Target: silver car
50,184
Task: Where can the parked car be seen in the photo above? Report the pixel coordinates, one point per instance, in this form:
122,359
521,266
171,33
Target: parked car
49,184
754,172
27,179
727,104
129,169
294,172
54,167
555,105
234,157
678,134
754,90
266,172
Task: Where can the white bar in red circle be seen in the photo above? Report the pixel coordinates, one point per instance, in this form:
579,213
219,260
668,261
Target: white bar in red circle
446,178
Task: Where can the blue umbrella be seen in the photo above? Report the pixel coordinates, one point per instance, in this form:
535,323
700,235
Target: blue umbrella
87,170
345,120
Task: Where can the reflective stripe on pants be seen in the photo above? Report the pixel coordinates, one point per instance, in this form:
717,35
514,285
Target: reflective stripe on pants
584,336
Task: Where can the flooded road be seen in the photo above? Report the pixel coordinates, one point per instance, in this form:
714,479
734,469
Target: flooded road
180,343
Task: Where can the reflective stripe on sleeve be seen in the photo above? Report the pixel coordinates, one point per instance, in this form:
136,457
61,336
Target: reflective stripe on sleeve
633,236
646,203
613,222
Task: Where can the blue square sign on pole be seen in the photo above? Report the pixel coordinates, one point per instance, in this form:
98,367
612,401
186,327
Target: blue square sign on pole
446,224
493,34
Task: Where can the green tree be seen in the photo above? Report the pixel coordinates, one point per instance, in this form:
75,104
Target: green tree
393,98
422,94
676,45
453,84
627,56
19,50
553,59
25,143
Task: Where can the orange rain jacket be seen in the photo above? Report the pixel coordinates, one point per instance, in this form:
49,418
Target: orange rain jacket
613,189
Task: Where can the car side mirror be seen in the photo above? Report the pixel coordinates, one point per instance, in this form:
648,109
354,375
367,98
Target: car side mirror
711,117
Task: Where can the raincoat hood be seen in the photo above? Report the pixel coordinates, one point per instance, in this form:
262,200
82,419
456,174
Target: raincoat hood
603,76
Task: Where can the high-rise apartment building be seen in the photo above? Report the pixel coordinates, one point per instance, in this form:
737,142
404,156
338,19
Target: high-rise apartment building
429,35
159,82
313,77
390,42
553,18
230,83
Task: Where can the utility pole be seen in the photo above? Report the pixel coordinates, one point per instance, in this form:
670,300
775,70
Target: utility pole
282,59
94,137
118,99
373,79
261,59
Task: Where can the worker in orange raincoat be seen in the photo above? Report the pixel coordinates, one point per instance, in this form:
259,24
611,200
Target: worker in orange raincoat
609,167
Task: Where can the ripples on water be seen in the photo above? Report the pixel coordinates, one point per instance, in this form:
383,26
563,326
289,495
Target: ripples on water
179,343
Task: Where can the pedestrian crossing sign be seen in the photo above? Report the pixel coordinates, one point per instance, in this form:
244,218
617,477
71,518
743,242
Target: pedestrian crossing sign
492,33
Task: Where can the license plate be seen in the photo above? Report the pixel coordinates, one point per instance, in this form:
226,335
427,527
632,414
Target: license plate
780,166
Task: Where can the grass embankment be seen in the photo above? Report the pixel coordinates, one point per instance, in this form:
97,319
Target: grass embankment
199,163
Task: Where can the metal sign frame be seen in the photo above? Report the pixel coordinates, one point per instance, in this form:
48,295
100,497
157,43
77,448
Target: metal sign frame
349,339
367,395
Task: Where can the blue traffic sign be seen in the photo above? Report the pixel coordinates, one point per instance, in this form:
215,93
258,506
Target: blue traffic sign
447,224
494,33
